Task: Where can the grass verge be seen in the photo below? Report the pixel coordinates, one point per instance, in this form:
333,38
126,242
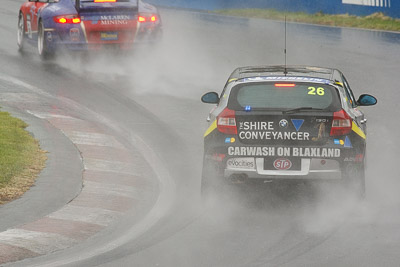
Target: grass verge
21,158
376,21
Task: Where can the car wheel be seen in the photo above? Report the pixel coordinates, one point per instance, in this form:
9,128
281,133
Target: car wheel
43,50
355,179
21,32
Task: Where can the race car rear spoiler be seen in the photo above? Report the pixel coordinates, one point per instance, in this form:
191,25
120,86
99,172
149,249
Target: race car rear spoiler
119,5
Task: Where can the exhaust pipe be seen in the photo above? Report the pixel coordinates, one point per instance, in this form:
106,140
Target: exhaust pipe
238,178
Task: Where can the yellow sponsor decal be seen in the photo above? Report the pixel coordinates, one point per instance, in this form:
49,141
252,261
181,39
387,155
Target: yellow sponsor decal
109,36
212,127
339,83
232,80
358,131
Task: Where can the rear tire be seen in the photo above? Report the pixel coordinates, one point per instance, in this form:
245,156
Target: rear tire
43,50
21,32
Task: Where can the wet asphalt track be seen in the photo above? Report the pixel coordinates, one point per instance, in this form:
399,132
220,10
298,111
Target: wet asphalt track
155,94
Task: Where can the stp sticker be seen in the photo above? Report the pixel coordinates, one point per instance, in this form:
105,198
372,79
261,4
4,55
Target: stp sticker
282,164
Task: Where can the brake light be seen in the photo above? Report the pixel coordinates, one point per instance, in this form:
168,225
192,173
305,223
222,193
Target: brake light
226,122
147,18
67,19
285,85
341,123
218,157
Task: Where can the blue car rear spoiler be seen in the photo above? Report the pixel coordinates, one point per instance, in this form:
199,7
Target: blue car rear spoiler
78,5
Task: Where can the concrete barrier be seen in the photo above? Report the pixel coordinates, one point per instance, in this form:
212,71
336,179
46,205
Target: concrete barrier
354,7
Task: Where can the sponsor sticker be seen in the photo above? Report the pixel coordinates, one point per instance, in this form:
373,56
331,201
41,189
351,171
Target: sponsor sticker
109,36
304,152
297,123
115,17
113,22
357,158
321,132
282,164
74,34
230,140
347,143
283,123
241,163
338,142
265,130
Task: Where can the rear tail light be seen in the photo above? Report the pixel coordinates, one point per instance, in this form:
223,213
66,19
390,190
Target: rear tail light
147,18
226,122
71,19
341,124
218,157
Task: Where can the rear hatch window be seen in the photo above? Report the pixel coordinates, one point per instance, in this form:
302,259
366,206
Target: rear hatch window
284,96
284,113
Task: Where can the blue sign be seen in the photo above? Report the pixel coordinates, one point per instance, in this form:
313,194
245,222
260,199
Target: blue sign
297,124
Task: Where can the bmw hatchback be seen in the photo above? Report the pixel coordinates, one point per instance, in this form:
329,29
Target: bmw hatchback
285,123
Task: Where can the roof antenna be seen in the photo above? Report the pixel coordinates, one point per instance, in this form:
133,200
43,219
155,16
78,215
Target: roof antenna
285,71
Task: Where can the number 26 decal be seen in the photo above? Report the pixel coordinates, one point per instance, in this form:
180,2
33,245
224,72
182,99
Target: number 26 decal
316,91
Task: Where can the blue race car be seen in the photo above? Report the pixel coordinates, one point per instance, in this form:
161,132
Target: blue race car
86,24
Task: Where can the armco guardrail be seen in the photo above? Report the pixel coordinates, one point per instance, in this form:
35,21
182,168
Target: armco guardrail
354,7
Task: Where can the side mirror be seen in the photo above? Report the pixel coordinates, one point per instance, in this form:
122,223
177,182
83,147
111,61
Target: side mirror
366,100
210,98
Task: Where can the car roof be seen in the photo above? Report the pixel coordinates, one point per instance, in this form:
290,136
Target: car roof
279,70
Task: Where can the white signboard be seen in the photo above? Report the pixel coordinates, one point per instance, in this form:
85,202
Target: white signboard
377,3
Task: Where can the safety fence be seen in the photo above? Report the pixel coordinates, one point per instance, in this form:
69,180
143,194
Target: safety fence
353,7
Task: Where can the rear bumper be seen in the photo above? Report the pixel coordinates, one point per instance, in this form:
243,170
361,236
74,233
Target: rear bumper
311,169
62,39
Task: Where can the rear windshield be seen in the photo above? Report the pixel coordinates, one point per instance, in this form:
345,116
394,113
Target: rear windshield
282,96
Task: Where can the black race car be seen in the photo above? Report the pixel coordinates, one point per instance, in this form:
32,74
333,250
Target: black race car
276,122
